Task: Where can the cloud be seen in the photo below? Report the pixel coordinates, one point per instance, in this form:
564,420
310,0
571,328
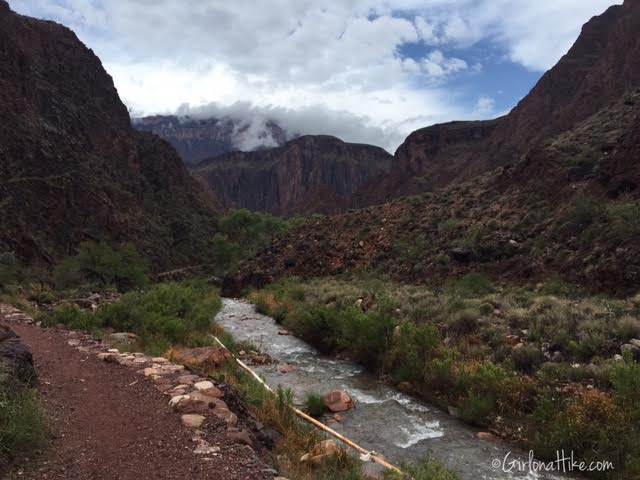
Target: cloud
335,67
485,107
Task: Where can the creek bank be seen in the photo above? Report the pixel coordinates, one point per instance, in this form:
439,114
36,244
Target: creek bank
384,419
125,398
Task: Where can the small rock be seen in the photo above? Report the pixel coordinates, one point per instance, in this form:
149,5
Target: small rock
187,379
200,386
73,342
150,371
228,416
486,436
618,358
175,400
241,437
405,387
338,401
453,411
108,357
284,333
286,368
205,449
192,420
512,339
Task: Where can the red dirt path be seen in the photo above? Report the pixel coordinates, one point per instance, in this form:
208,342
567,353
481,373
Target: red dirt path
109,423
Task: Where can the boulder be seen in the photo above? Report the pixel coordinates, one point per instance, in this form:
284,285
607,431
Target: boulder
227,415
202,357
286,368
193,420
634,350
338,401
195,403
187,379
321,452
16,362
204,385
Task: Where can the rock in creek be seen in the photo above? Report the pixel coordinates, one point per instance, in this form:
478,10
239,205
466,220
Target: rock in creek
338,401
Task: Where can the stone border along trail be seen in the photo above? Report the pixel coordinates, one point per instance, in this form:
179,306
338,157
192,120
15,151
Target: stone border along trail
111,420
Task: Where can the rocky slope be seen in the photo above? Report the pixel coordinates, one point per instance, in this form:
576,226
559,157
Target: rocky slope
602,65
310,174
73,168
564,201
197,139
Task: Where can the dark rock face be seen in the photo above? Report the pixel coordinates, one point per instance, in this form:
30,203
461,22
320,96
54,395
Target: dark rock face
197,139
431,158
602,65
72,168
16,362
523,221
309,174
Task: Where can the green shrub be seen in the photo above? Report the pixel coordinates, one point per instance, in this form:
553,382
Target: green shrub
427,470
224,253
71,316
242,233
463,322
165,315
411,350
10,270
102,264
474,285
476,408
367,335
318,325
584,210
527,358
315,405
23,429
622,221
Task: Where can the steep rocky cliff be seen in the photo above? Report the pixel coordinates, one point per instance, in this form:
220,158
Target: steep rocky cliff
197,139
559,196
602,65
310,174
72,168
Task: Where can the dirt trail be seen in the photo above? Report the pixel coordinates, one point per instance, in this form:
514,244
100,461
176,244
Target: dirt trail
109,423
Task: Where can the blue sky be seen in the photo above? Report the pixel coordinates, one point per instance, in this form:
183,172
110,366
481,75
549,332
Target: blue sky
365,70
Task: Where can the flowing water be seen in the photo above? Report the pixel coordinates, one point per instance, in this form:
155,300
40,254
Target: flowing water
391,423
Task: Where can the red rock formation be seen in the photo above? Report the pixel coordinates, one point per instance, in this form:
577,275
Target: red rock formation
197,139
72,167
310,174
602,65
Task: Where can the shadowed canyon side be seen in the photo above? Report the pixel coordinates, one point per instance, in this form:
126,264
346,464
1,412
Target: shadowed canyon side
310,174
569,206
602,65
196,139
73,168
